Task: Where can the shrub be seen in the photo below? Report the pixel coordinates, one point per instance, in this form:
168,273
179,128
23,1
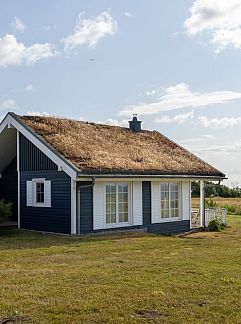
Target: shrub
216,225
211,203
5,210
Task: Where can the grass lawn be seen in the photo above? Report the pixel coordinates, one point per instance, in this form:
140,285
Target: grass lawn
124,278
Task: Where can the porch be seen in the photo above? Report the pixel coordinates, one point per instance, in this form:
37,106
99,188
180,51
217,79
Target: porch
200,217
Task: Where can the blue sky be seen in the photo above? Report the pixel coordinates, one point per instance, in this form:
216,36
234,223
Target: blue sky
175,63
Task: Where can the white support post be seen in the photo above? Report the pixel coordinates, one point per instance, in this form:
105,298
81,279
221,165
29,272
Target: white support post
18,171
202,203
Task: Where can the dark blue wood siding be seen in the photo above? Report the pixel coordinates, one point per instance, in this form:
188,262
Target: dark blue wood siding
9,187
169,227
146,202
86,208
57,218
31,158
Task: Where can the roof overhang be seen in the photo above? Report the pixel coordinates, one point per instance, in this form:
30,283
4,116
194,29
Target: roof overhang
12,121
148,177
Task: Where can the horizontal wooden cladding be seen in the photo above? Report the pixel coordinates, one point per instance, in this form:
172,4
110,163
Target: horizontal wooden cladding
31,158
169,227
55,219
86,208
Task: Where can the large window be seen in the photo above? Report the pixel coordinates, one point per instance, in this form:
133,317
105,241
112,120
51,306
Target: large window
117,203
169,200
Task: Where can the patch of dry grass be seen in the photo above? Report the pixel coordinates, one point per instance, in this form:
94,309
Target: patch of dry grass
106,148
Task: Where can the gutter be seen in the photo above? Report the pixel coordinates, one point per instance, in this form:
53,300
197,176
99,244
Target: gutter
167,176
91,185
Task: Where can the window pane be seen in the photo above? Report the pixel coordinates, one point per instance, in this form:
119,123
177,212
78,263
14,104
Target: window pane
164,200
123,202
123,217
39,192
110,203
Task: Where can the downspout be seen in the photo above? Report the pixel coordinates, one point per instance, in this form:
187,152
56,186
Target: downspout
91,185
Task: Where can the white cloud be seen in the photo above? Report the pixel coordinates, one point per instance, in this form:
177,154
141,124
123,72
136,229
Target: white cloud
179,119
37,113
114,122
7,104
219,123
30,88
128,14
13,52
90,31
178,97
18,25
222,18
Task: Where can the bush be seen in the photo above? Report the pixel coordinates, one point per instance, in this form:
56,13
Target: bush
5,210
216,225
211,203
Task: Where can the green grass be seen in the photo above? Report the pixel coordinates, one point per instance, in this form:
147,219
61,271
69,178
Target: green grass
124,278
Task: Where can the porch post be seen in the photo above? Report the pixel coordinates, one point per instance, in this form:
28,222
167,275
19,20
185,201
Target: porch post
202,204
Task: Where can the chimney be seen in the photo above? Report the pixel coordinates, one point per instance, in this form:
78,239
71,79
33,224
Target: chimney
135,124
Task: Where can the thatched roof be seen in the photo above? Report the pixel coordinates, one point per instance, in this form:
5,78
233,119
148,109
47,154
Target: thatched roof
96,148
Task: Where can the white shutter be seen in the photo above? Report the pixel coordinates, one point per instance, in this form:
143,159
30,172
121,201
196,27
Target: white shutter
186,200
155,202
47,193
137,203
29,194
99,206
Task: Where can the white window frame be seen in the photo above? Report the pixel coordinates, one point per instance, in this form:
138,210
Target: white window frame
118,224
33,193
171,219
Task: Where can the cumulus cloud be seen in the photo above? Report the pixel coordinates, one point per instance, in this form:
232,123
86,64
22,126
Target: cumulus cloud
178,97
90,31
219,123
179,119
18,25
13,52
221,18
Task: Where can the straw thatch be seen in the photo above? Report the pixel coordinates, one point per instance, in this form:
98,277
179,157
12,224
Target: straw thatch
97,148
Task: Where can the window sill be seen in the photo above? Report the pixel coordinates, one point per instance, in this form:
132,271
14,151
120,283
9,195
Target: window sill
170,220
117,225
40,205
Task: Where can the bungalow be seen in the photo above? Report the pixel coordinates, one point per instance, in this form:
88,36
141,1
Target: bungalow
74,177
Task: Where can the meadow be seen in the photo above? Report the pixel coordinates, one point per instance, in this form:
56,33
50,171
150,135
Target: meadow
121,278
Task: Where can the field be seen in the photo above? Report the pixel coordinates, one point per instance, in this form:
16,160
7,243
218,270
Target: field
123,278
221,202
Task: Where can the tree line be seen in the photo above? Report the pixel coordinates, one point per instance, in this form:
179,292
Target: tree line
214,190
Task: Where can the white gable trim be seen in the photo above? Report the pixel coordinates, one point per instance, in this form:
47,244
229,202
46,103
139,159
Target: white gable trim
10,120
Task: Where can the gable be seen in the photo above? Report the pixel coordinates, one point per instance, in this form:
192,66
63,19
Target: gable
31,158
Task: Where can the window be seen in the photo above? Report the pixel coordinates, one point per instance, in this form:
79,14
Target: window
169,200
117,203
38,193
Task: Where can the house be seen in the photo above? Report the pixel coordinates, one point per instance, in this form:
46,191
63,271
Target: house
74,177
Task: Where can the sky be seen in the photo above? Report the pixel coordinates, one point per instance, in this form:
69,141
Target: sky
177,64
